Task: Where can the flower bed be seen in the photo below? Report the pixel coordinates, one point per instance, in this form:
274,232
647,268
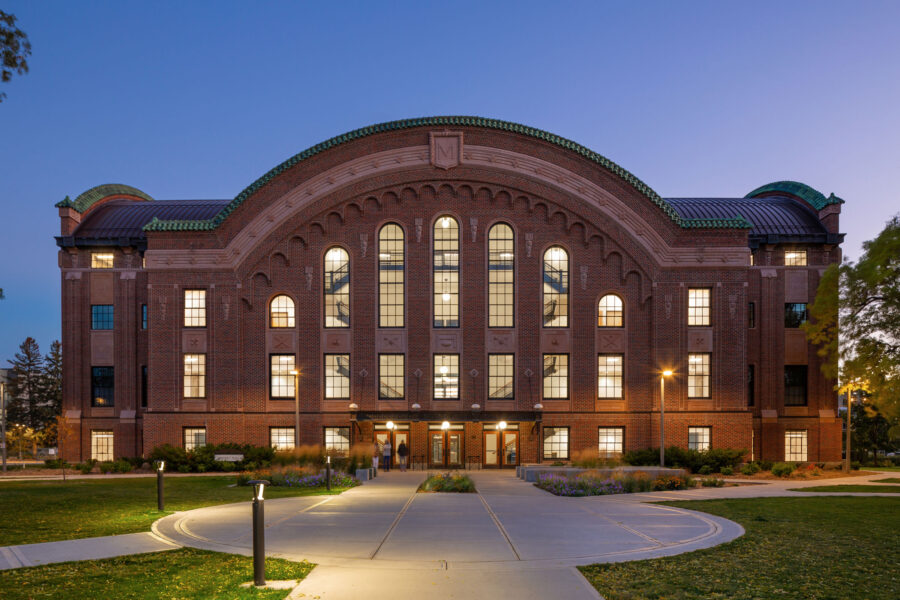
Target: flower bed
448,482
592,484
298,477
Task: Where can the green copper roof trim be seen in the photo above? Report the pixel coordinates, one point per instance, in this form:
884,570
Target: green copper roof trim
95,194
814,197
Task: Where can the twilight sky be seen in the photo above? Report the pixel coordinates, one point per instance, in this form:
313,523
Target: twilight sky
198,99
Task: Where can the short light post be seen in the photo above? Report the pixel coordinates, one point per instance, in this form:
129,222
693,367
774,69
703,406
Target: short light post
259,532
662,417
328,473
296,374
160,500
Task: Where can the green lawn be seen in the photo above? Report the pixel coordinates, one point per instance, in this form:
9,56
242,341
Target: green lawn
852,489
50,511
888,480
881,468
816,547
185,573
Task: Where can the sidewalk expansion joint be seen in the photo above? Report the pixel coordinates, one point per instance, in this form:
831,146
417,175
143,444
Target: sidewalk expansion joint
393,525
499,525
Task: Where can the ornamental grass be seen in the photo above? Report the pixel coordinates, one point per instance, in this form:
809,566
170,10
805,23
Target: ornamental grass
298,477
592,483
448,482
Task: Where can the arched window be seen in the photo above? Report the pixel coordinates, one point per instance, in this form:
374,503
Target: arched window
501,276
445,270
609,312
556,287
281,312
390,276
337,288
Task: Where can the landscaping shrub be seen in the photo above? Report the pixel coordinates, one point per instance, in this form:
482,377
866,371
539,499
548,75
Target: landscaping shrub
590,458
765,465
122,466
203,458
55,463
727,471
86,467
297,477
705,470
783,469
448,482
750,468
636,482
106,467
673,482
693,460
712,482
593,483
307,454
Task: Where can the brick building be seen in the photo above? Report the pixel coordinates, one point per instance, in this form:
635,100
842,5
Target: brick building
447,276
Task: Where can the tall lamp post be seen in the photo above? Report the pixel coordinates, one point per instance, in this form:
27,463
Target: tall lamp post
296,374
3,424
849,387
662,416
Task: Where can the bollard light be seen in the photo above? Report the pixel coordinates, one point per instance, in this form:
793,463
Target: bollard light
259,532
328,473
160,500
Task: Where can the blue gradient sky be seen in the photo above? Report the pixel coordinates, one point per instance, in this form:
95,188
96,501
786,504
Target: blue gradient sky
197,99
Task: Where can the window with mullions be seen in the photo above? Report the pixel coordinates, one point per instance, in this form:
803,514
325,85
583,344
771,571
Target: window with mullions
281,438
101,316
390,376
103,385
194,375
446,376
795,258
337,441
556,376
698,375
501,376
751,315
751,385
610,441
195,308
501,276
445,266
337,288
281,380
144,386
609,311
795,314
281,312
556,443
102,443
795,446
391,276
194,437
337,376
609,375
699,438
102,260
556,287
144,320
795,385
699,307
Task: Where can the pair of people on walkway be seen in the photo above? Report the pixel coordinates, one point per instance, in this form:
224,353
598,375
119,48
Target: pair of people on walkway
386,453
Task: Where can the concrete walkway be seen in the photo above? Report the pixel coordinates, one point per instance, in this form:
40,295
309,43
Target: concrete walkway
32,555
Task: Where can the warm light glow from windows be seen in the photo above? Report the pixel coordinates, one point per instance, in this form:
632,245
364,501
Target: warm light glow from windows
795,258
501,377
194,375
609,312
556,287
391,276
609,376
390,376
698,375
337,376
610,441
795,446
282,375
337,288
102,445
556,376
501,276
445,272
281,312
699,438
195,308
699,307
446,378
102,260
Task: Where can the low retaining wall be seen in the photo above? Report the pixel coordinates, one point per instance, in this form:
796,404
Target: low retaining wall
531,472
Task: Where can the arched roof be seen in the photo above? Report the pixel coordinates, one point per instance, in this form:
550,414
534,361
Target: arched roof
87,199
810,195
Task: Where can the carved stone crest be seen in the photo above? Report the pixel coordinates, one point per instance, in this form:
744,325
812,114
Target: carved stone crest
446,149
732,305
418,230
473,225
309,277
668,305
584,277
226,306
529,242
363,243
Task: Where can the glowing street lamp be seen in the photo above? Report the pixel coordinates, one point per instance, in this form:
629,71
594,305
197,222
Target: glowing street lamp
662,415
160,467
259,532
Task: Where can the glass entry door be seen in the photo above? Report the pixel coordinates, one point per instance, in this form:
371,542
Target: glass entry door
491,449
445,448
510,448
501,449
397,435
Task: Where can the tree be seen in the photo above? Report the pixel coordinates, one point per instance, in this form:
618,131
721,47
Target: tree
51,387
27,388
855,322
870,433
14,49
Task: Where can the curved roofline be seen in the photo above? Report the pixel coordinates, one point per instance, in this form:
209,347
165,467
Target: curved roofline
737,222
808,194
94,195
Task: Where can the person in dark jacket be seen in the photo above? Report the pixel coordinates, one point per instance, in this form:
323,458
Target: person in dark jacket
402,453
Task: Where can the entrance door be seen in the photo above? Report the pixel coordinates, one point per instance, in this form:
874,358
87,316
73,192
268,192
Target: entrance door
501,449
510,448
445,449
491,449
395,436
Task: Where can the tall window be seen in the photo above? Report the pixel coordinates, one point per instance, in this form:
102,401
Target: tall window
501,376
103,384
194,437
699,438
446,376
751,385
501,276
337,288
446,272
195,308
102,444
281,312
795,446
391,276
337,376
698,375
556,376
751,315
194,375
556,443
144,316
699,306
390,376
795,258
556,287
281,380
281,438
609,312
144,386
795,385
795,314
337,441
101,316
101,260
610,441
609,375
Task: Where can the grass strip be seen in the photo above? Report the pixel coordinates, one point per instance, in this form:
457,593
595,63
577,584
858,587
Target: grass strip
816,547
853,489
888,480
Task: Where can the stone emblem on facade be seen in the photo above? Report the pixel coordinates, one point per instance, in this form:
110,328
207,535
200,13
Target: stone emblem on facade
309,276
446,149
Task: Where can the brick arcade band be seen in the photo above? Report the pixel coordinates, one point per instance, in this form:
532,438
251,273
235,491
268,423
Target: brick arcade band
498,294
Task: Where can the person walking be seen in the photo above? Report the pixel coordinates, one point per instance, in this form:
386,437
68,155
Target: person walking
386,455
375,455
402,453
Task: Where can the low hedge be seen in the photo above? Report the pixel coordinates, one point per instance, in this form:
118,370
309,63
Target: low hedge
696,461
202,459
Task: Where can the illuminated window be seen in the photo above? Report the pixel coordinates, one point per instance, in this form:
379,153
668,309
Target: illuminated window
281,312
556,443
337,441
194,437
699,438
101,260
610,441
795,446
101,316
501,276
795,314
391,276
144,319
390,376
281,380
609,375
337,376
795,258
609,313
337,288
194,375
445,267
501,376
795,385
556,376
698,375
281,438
446,376
195,308
102,444
556,287
698,306
103,384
